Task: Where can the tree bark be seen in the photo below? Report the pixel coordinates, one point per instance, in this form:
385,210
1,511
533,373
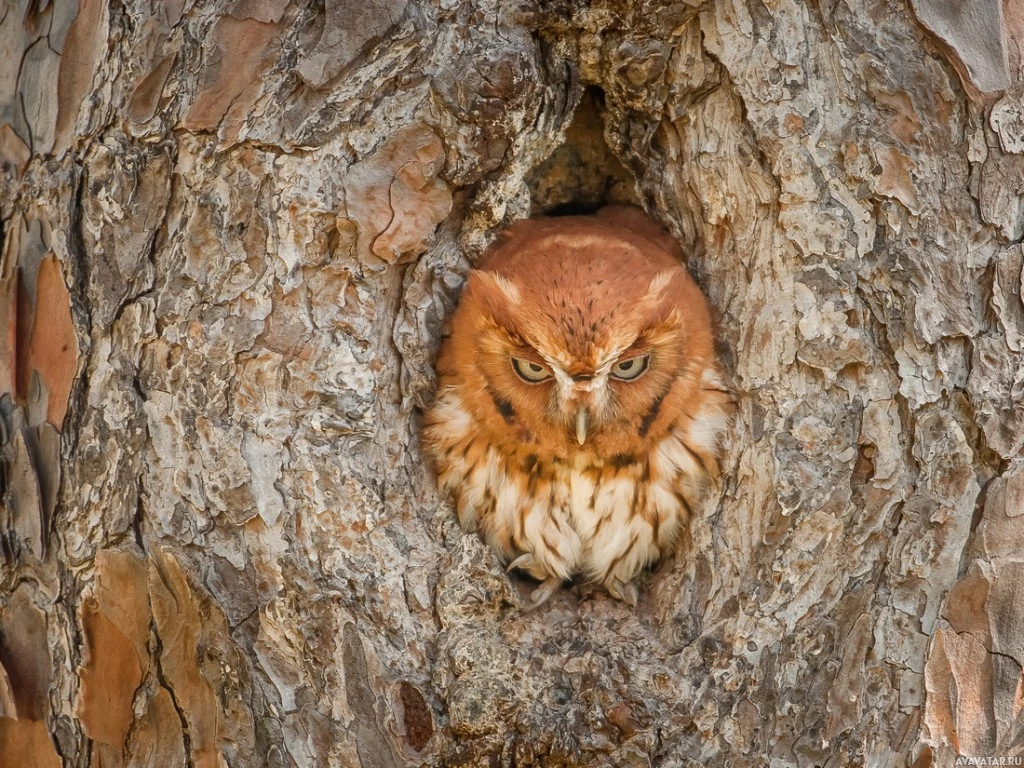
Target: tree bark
230,234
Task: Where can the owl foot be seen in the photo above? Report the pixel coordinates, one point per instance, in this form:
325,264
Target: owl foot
623,591
544,592
524,561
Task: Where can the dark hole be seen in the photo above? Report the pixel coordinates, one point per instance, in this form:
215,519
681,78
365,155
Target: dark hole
582,174
573,209
419,724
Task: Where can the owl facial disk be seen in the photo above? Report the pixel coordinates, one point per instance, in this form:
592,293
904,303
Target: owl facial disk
583,396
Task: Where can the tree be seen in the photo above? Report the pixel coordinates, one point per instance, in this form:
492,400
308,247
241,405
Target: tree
231,232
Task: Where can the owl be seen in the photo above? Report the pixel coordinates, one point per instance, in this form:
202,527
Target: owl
580,405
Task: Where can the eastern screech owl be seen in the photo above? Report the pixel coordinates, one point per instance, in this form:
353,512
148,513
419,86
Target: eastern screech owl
580,404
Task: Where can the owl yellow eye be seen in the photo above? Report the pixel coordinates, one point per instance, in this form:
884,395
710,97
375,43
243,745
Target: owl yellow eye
627,370
530,371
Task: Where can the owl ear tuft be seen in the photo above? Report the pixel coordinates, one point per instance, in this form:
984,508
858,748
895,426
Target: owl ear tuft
497,295
660,282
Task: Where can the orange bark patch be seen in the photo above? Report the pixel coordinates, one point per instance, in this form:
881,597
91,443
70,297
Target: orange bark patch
84,48
895,180
27,743
958,676
130,597
146,97
904,121
53,347
8,333
794,123
115,619
396,197
24,682
158,732
242,47
179,623
24,658
111,675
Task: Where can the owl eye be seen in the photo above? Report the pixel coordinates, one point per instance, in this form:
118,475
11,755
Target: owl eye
530,371
627,370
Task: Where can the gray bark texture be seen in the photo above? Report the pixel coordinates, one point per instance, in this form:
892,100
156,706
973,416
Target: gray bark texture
231,232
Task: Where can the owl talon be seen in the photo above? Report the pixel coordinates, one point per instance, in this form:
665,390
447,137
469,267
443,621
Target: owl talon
623,591
544,592
524,561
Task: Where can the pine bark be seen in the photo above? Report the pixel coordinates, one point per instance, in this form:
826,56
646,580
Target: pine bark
231,232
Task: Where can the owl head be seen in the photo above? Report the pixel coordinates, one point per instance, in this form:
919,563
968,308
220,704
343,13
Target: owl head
580,335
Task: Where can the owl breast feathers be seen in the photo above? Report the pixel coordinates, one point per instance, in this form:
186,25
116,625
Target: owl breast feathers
580,405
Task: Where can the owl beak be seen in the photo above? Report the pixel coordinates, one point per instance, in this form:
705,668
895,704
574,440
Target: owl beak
581,425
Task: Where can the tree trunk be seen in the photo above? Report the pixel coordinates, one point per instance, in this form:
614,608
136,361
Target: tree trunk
230,234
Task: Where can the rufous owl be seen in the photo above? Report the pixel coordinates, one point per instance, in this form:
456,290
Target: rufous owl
580,405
